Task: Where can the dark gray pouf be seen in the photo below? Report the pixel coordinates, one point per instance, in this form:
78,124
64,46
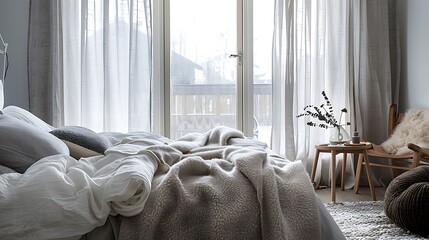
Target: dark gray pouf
406,201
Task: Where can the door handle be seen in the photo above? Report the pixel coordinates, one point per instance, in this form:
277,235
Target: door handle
238,55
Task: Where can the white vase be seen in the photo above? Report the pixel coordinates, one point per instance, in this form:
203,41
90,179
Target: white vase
339,135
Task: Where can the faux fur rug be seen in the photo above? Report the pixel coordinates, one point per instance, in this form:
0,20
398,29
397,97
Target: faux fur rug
366,220
414,128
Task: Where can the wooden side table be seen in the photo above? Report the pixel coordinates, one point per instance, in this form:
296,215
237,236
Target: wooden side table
344,149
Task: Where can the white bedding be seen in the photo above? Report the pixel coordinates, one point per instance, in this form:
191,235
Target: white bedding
60,197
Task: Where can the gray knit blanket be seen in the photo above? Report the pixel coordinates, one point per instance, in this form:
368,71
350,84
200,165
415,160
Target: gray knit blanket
221,185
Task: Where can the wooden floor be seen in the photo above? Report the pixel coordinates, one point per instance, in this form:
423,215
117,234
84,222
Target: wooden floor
349,195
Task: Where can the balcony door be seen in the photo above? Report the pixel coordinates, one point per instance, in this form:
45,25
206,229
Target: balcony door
205,59
217,70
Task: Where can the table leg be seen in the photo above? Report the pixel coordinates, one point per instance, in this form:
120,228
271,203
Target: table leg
333,171
343,170
368,172
358,172
313,169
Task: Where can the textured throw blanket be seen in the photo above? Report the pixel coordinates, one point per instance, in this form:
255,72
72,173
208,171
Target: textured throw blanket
223,186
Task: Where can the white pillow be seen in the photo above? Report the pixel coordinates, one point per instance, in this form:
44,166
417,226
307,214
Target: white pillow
26,116
22,144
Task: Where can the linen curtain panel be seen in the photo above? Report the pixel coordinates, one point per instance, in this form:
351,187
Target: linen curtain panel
90,63
349,49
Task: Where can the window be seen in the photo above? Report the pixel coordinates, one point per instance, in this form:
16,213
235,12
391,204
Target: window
263,28
218,54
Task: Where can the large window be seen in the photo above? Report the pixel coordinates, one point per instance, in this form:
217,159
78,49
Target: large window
220,66
203,78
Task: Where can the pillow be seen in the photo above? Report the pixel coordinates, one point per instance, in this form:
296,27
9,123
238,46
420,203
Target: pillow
82,142
22,144
26,116
4,169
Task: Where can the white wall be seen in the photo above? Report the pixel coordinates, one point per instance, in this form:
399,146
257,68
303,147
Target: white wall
415,87
14,29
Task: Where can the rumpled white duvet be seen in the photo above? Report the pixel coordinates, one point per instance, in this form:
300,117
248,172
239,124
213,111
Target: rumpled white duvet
60,197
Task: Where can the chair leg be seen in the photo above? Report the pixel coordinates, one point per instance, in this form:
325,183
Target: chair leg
369,174
358,173
416,160
396,172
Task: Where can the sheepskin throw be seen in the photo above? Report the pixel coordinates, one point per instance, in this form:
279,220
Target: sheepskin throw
414,128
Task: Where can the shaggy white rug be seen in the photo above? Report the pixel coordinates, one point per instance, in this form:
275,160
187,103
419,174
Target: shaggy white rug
366,220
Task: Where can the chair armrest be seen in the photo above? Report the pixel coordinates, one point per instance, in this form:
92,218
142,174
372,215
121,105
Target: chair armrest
423,152
414,147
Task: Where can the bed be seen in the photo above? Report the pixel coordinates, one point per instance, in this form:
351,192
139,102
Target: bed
72,183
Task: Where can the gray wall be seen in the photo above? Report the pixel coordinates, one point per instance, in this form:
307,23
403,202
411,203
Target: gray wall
415,73
14,29
415,81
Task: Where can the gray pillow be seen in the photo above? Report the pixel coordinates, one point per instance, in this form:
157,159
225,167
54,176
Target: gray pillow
4,169
82,142
22,144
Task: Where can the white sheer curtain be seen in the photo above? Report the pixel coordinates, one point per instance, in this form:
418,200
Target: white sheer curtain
335,46
90,63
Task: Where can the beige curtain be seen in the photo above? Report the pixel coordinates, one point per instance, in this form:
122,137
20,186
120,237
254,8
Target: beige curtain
349,49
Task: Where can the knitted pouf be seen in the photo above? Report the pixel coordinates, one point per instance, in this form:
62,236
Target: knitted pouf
406,201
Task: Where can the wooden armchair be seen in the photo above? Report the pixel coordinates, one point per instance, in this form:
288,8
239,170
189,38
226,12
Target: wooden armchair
398,163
